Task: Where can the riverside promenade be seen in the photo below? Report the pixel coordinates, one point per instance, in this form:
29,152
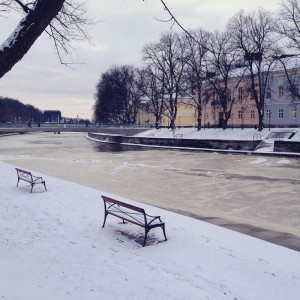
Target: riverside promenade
256,195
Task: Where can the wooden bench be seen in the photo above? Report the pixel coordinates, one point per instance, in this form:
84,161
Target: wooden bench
132,214
28,177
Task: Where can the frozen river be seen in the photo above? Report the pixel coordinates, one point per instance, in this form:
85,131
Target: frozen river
257,195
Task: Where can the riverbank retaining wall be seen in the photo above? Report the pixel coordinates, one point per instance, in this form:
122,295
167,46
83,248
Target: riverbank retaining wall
286,146
131,141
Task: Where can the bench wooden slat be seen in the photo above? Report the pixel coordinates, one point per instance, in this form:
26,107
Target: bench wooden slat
132,207
115,208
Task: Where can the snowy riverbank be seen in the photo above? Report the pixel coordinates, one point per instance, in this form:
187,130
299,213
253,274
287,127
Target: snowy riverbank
53,247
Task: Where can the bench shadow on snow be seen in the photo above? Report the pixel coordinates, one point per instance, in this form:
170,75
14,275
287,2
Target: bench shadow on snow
124,234
138,237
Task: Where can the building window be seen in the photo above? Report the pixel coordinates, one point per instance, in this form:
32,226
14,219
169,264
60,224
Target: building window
280,113
240,114
268,93
268,114
252,114
294,113
240,94
280,91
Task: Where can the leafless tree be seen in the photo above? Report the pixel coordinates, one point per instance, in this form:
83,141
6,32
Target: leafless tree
118,96
168,57
255,36
195,72
152,88
289,28
223,74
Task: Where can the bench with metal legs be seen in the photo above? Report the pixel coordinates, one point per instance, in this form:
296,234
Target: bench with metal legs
133,214
28,177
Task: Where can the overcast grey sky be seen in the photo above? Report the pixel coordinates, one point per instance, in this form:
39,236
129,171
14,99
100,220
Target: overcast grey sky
125,27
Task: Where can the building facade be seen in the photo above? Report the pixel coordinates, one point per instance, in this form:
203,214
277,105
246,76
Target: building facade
281,106
52,116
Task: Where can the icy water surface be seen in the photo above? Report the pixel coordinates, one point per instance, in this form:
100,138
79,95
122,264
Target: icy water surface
254,190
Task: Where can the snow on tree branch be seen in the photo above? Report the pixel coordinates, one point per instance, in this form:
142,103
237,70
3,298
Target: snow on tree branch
63,20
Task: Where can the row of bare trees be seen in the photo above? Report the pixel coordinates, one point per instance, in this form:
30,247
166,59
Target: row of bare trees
200,64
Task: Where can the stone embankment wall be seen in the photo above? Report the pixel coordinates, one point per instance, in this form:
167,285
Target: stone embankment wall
131,141
287,146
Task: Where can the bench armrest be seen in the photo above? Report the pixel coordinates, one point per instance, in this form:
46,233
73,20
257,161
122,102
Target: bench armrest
36,178
154,219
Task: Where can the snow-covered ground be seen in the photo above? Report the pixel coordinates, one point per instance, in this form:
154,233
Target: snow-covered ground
218,133
215,134
52,247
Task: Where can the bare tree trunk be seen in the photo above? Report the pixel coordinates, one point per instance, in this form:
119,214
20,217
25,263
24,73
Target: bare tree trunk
261,119
157,118
199,115
224,122
27,32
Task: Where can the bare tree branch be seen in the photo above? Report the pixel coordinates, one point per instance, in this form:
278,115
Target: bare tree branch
289,20
27,32
5,5
24,7
63,20
173,18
